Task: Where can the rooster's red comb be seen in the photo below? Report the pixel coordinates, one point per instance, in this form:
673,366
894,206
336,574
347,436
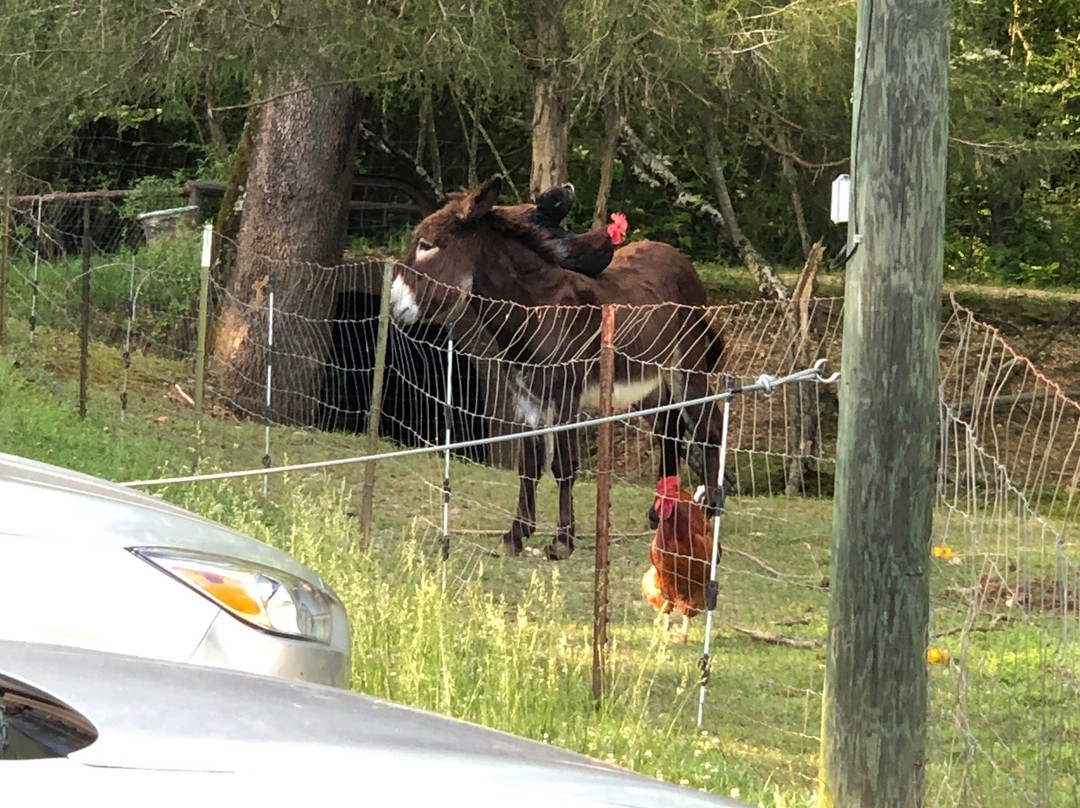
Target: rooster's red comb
668,485
667,492
617,229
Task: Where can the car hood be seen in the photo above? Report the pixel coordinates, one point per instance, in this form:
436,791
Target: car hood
40,500
153,715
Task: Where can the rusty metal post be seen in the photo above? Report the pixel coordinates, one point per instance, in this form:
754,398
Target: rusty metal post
603,499
84,314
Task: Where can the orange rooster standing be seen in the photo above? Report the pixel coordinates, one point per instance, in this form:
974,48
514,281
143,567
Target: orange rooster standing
681,554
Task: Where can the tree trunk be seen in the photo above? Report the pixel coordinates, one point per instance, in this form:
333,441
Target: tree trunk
607,165
801,427
770,284
551,104
787,166
874,718
293,220
227,226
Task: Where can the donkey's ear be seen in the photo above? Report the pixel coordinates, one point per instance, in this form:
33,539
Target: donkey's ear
480,201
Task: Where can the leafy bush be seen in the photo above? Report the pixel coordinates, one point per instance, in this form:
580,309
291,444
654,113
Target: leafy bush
151,193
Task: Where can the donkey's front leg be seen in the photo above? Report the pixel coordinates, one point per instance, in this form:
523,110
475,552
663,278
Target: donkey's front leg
564,466
530,467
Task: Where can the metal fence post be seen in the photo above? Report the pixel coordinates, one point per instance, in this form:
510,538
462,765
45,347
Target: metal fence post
269,383
84,314
448,418
34,275
603,500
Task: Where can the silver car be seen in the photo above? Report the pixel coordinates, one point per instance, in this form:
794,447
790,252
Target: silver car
82,725
89,563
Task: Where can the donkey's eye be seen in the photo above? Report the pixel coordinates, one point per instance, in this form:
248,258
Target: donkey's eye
425,249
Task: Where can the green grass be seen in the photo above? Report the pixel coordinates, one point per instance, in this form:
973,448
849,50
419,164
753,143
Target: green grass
507,643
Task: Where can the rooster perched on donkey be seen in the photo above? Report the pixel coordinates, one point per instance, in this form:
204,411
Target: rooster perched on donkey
588,253
681,555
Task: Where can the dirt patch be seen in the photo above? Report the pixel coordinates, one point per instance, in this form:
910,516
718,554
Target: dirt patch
1036,594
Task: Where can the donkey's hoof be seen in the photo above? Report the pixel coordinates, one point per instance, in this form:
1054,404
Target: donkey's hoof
511,546
559,550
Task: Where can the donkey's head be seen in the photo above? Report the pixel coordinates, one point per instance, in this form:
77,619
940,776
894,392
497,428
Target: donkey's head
470,246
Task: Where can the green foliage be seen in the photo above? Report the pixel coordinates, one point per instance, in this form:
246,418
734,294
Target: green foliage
151,193
162,276
1014,193
394,242
98,96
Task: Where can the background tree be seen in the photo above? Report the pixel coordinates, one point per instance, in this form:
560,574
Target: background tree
450,94
292,225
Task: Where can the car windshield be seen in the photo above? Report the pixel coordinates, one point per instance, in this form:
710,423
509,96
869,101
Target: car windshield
34,725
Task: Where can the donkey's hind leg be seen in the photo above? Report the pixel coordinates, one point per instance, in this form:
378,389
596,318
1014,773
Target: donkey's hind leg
668,427
705,424
530,467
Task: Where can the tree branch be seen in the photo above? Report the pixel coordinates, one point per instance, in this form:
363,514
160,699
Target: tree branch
651,169
786,153
768,281
778,639
399,153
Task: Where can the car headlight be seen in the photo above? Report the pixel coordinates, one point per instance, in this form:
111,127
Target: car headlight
269,599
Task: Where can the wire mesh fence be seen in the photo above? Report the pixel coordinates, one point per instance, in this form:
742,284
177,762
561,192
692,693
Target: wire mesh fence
1003,654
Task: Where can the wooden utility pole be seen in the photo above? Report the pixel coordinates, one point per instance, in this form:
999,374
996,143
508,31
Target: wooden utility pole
874,721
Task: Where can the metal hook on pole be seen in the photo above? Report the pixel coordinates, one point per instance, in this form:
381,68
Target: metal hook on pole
819,377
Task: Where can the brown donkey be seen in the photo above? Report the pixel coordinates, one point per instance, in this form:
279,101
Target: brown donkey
545,321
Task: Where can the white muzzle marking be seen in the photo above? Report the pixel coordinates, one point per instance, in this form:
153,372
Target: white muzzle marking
403,306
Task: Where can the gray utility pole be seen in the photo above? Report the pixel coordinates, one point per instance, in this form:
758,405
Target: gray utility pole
874,720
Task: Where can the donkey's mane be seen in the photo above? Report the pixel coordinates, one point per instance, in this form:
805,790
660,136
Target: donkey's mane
516,223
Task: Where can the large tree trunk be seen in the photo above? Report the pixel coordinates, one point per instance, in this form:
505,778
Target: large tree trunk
551,103
293,220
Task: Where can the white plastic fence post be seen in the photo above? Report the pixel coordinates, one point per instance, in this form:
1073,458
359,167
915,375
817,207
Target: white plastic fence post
711,586
269,386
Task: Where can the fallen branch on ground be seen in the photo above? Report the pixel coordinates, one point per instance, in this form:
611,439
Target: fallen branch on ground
778,639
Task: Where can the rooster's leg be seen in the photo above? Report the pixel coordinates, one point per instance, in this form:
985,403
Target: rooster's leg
663,617
685,630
